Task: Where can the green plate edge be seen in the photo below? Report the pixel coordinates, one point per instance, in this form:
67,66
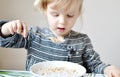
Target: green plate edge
15,73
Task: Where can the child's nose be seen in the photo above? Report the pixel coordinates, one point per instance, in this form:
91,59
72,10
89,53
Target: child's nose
62,20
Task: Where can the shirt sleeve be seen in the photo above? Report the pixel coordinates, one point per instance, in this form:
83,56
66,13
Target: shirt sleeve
15,41
1,23
91,58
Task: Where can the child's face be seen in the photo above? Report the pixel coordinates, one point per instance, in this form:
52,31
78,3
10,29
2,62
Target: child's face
61,20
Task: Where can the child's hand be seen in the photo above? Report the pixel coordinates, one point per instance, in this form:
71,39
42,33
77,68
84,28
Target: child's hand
112,71
14,27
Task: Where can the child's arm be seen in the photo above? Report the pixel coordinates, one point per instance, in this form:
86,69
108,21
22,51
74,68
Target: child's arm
13,39
91,58
14,27
94,64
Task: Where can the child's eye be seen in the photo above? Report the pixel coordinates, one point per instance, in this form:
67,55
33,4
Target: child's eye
70,16
55,14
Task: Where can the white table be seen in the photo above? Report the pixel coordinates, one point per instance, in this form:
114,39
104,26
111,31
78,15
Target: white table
94,75
18,73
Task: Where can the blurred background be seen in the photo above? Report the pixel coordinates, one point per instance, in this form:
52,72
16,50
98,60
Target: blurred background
100,20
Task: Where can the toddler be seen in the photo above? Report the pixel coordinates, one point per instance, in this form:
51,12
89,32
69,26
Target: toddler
57,41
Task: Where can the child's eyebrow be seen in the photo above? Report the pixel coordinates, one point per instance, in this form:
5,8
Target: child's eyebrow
52,9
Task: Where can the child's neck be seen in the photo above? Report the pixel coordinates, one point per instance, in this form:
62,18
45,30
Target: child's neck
57,37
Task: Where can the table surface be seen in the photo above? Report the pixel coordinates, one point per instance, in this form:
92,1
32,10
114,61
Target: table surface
94,75
18,73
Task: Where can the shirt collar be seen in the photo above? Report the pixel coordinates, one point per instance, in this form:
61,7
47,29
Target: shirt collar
49,33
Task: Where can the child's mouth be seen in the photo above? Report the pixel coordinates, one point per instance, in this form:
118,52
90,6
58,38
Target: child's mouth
61,29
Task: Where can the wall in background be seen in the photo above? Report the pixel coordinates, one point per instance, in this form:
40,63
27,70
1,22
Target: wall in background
100,22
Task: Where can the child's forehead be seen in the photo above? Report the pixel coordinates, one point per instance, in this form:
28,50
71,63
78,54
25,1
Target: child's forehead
64,4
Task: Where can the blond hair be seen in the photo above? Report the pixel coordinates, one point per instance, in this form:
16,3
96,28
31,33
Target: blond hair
42,4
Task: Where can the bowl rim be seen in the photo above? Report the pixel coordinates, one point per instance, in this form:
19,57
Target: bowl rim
64,63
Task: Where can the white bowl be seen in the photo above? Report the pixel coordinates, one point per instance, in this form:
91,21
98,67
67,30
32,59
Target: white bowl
57,69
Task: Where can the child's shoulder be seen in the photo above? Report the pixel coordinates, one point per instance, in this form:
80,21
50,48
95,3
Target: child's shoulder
78,34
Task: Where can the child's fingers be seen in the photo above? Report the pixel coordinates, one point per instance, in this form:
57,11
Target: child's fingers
25,30
11,31
19,26
14,26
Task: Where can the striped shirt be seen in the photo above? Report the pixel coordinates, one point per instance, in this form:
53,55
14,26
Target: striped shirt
76,48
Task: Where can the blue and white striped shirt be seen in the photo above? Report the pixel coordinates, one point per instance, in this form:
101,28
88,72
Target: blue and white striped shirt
76,48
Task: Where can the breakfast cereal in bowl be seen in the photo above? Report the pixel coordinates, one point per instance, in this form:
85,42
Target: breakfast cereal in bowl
57,69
